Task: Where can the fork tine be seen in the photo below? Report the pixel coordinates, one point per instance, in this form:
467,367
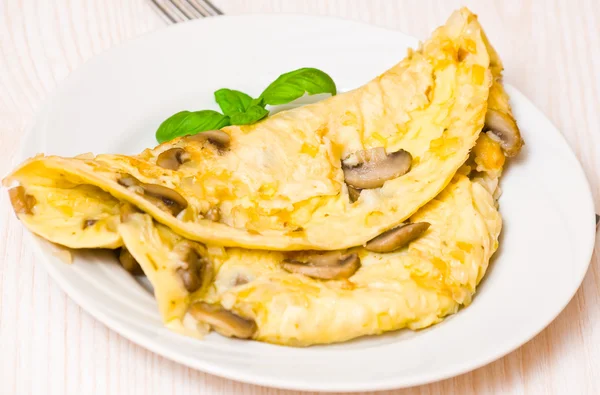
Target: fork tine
171,11
165,12
181,10
175,10
185,8
206,6
215,9
199,8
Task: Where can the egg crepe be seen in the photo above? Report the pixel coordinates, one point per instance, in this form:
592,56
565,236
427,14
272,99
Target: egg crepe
283,183
413,287
251,293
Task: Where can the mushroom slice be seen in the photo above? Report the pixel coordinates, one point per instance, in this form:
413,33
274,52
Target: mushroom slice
223,321
22,203
353,194
194,268
374,167
240,279
328,266
172,158
165,198
88,223
128,262
217,138
397,237
172,199
191,278
503,128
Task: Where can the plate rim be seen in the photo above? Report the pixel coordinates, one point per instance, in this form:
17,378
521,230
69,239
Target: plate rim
273,381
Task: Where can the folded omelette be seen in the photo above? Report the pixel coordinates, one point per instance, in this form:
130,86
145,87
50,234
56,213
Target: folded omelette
325,176
358,175
254,294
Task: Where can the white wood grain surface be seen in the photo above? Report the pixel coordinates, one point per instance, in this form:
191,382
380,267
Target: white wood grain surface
48,345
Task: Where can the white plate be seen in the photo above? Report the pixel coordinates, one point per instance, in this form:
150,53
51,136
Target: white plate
116,101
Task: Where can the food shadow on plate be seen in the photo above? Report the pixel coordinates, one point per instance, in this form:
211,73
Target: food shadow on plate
105,262
514,165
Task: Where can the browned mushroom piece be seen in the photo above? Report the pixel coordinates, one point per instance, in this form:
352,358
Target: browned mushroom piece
503,128
353,194
194,269
240,279
172,158
328,266
165,198
191,278
171,198
129,263
372,168
223,321
397,238
22,203
128,181
88,223
218,138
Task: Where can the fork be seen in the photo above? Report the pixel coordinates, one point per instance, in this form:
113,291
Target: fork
176,11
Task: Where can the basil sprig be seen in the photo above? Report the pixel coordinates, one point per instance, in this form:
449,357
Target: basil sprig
290,86
241,109
186,122
232,101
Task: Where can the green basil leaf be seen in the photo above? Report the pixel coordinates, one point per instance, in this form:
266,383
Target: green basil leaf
292,85
232,101
257,102
253,114
185,122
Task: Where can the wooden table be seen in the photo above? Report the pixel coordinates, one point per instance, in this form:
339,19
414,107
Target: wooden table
48,345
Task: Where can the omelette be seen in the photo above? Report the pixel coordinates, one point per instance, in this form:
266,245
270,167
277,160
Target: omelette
364,161
253,294
368,212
